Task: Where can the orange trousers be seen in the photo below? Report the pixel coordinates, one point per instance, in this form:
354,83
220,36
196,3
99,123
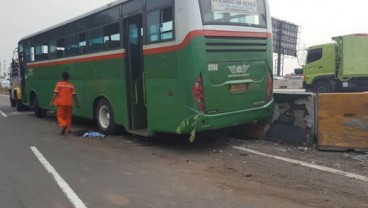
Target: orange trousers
64,117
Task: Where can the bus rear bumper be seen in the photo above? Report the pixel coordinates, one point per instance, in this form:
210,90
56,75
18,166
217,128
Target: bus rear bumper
235,118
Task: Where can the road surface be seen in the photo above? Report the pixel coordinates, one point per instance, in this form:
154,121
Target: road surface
41,168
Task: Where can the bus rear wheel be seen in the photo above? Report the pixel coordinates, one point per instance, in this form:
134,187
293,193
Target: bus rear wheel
105,117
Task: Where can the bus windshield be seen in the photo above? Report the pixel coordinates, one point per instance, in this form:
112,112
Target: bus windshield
234,12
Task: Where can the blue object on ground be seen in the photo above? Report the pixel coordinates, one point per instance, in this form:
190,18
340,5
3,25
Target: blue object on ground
92,134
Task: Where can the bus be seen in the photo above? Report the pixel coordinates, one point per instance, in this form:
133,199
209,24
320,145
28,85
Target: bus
151,66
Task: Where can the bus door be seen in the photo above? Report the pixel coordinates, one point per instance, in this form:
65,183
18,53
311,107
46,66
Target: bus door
135,71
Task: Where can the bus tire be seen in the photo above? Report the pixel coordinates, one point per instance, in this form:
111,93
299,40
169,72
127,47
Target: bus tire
13,102
19,105
39,112
105,117
322,86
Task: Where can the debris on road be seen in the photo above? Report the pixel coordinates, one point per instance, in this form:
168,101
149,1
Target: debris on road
93,134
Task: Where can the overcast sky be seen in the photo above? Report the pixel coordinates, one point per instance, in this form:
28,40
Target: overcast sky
319,19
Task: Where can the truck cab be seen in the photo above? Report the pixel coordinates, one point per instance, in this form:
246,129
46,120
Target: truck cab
341,66
319,69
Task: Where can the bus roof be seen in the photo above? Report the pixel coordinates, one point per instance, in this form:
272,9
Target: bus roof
107,6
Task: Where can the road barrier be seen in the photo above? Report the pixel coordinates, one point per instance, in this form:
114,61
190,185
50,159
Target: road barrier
333,121
343,121
294,119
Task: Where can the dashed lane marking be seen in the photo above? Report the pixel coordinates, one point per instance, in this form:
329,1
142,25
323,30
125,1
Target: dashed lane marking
69,193
3,114
306,164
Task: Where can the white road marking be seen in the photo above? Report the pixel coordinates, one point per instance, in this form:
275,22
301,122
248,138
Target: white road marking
16,113
74,199
2,113
4,95
306,164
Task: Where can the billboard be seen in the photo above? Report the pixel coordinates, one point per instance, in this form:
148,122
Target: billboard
285,37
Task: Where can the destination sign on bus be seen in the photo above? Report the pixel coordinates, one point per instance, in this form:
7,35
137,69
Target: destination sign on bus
238,6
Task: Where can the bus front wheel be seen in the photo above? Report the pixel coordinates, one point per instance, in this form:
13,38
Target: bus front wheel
105,117
39,112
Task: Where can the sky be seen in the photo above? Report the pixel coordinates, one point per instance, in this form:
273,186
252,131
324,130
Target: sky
319,20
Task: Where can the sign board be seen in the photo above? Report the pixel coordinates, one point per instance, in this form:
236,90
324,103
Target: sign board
248,7
285,37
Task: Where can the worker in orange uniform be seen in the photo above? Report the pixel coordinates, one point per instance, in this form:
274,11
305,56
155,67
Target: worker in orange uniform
63,99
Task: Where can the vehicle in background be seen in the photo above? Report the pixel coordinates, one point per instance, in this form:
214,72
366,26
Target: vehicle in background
151,66
5,84
341,66
15,89
299,71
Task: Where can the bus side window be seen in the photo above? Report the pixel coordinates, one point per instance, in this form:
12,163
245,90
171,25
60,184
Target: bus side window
160,25
166,29
71,45
112,36
52,49
153,22
60,48
95,40
41,52
27,53
82,43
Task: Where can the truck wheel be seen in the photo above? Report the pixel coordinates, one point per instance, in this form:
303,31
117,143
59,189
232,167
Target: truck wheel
39,112
322,87
105,117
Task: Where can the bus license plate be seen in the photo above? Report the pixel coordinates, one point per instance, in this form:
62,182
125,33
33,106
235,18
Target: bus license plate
238,87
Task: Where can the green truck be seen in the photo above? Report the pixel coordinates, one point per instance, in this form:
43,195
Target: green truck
340,66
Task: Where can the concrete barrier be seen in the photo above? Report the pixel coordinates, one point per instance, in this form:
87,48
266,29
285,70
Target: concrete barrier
293,121
288,84
343,121
333,121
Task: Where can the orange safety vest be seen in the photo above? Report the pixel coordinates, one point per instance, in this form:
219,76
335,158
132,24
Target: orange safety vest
65,91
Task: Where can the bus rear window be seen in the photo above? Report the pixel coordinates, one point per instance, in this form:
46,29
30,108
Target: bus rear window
241,12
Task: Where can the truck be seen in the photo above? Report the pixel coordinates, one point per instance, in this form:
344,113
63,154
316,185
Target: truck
339,66
15,89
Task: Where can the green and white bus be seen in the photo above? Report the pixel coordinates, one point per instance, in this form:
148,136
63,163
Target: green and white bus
152,65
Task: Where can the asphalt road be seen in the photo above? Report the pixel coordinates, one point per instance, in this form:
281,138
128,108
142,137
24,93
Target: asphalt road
40,168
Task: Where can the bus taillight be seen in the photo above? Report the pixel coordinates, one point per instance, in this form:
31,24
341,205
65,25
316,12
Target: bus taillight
198,94
269,88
